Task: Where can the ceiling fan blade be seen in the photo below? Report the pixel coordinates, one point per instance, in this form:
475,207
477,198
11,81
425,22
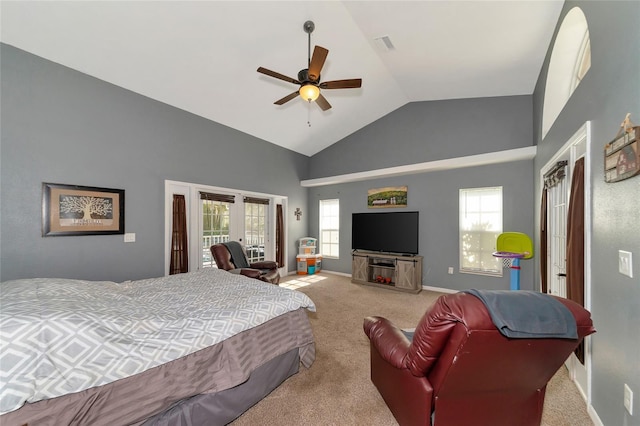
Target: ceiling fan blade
353,83
323,103
277,75
317,61
286,98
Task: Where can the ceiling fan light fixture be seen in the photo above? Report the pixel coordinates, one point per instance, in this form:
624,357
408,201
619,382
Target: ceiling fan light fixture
309,92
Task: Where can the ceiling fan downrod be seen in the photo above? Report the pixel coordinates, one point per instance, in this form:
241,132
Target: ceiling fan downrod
308,27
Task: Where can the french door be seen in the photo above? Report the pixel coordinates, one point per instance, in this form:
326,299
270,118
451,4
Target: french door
216,215
234,217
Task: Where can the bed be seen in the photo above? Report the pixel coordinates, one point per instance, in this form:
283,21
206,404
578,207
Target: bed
194,348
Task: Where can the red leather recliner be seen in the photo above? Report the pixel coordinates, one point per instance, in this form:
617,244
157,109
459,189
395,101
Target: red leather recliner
460,370
266,270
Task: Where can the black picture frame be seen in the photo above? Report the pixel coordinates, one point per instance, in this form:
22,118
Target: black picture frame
65,209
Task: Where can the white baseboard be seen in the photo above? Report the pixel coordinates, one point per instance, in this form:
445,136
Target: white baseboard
424,287
337,273
439,289
323,271
594,415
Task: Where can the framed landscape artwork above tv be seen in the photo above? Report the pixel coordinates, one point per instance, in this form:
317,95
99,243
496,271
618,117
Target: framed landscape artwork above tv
390,196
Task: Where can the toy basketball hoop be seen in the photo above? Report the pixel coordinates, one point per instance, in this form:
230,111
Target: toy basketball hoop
513,246
507,257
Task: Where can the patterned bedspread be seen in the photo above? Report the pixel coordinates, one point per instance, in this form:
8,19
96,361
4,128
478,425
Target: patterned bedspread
59,336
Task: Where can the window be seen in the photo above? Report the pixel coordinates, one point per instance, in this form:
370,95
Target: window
480,225
583,63
330,228
569,63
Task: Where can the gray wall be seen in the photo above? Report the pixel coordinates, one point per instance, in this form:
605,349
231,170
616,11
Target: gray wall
62,126
428,131
435,196
609,91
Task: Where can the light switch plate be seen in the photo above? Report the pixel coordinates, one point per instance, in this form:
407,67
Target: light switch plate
625,267
130,237
628,399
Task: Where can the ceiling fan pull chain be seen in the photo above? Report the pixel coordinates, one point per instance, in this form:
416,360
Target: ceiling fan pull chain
309,113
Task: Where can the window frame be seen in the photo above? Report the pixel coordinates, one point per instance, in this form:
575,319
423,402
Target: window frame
322,204
484,247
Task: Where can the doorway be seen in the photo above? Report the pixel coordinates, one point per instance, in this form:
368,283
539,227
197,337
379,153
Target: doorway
556,177
216,215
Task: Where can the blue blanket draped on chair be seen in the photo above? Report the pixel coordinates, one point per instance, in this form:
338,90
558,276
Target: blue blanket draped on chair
527,314
237,254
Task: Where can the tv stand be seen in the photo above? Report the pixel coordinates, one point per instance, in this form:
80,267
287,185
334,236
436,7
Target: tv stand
394,271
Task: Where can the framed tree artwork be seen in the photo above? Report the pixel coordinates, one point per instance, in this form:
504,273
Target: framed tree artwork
81,210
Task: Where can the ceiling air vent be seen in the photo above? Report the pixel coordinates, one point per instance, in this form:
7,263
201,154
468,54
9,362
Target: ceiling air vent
384,43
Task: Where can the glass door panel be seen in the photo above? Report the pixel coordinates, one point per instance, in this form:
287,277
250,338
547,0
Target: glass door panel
255,230
216,225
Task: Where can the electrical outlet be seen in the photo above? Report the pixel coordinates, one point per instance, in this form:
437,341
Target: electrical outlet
450,270
625,267
130,237
628,399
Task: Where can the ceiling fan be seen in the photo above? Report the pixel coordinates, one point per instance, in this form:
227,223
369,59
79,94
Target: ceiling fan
309,78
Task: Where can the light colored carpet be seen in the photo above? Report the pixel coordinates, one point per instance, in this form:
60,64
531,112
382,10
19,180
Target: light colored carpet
337,390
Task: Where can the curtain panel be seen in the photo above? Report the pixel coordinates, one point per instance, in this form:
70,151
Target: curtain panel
543,242
575,242
279,235
179,262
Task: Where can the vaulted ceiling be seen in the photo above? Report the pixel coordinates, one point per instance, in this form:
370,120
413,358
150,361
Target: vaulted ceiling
202,56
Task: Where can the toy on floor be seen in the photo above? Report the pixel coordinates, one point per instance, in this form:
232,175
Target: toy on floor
511,247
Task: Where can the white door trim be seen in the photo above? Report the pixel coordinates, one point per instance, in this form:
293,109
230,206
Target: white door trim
577,146
191,193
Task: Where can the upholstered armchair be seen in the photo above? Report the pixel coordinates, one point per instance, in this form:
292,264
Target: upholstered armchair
459,369
231,257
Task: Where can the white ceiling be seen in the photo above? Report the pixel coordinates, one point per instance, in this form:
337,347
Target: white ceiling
202,56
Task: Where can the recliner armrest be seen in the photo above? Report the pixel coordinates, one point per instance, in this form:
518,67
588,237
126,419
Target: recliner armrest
251,273
389,341
264,264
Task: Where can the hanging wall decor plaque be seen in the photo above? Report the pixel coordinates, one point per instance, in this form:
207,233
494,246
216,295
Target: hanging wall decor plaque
622,154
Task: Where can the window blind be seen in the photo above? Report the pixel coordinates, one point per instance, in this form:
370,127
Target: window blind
255,200
225,198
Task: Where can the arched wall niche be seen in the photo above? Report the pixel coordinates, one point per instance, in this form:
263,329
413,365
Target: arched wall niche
570,62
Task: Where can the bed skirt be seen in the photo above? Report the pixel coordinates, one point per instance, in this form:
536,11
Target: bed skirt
134,400
223,407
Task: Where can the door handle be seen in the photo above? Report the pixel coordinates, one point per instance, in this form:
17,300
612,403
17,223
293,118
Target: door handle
562,275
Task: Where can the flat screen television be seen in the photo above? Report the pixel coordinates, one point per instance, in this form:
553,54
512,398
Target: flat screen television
395,232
